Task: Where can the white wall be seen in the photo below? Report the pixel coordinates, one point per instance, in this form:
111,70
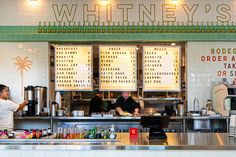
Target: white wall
46,152
37,75
29,12
202,75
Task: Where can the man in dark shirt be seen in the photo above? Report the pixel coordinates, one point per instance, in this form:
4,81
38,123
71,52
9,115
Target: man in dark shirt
96,103
126,103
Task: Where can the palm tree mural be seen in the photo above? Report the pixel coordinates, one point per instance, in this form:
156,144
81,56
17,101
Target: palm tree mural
22,64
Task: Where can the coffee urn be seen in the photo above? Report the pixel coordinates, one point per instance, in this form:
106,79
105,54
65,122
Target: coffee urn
29,95
41,99
180,109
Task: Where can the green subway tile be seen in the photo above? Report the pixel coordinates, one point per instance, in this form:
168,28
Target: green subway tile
29,33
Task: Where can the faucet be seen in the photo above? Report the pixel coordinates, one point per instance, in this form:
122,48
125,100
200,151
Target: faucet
194,104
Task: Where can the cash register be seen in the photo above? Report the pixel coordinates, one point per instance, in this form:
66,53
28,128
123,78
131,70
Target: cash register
155,125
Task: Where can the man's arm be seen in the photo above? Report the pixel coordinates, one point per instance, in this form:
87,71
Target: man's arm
119,110
117,107
136,111
22,105
136,108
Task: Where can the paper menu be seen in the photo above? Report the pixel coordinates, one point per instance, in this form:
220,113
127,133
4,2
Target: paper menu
161,68
118,65
73,68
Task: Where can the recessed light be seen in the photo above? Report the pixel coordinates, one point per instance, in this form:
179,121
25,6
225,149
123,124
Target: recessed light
104,2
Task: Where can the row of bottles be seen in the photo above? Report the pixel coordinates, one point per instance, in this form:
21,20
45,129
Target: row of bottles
26,134
177,27
82,133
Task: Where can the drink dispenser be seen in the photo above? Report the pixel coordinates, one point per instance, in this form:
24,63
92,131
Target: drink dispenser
30,96
41,99
37,97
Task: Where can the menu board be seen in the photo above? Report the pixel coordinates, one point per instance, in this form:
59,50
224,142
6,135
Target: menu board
161,68
73,68
118,68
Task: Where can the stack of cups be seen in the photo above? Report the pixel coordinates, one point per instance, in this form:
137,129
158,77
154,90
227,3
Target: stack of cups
232,126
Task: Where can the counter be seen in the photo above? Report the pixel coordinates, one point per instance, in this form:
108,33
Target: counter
116,118
177,144
175,141
180,122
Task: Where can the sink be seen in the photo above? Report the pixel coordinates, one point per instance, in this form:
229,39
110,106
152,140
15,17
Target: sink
200,122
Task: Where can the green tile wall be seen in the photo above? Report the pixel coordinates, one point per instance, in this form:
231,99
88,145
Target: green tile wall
29,33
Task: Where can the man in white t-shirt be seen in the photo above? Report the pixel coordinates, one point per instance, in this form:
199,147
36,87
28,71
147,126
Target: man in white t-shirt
7,109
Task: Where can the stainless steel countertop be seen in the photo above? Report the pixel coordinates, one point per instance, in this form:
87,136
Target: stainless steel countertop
114,118
175,141
78,118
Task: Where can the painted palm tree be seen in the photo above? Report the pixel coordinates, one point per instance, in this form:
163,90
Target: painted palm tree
22,64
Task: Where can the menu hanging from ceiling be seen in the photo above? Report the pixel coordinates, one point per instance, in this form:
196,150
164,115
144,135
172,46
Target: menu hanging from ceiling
73,68
118,68
161,68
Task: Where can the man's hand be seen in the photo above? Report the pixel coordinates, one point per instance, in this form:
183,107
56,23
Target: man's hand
120,111
22,105
25,102
136,112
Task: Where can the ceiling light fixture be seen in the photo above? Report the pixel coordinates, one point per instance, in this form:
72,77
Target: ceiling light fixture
104,2
173,44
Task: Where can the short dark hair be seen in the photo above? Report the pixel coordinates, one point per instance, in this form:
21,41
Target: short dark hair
98,92
2,87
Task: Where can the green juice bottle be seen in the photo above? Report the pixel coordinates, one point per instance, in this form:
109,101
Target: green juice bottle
197,28
207,28
202,28
88,28
183,28
129,28
70,28
153,28
104,30
227,28
54,27
40,28
172,28
74,28
99,28
109,30
139,28
123,28
64,27
45,30
217,27
118,28
79,28
221,27
59,28
143,28
168,29
93,28
49,27
84,28
148,29
211,27
232,30
163,27
113,28
158,27
177,27
133,28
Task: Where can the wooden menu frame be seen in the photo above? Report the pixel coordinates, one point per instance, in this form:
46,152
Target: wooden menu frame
91,66
129,46
145,89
